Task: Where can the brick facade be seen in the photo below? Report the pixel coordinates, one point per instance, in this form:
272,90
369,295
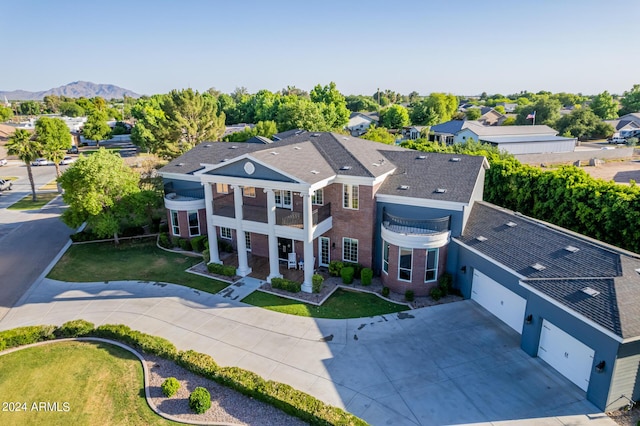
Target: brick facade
418,267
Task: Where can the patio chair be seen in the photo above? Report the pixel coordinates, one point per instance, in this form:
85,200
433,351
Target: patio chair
291,261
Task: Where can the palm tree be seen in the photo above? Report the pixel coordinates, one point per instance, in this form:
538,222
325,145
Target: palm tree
27,150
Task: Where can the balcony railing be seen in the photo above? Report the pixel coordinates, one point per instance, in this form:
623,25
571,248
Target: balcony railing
195,193
402,225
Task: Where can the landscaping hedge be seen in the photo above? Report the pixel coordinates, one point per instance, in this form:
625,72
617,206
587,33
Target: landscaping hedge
197,243
347,274
285,284
280,395
217,268
366,276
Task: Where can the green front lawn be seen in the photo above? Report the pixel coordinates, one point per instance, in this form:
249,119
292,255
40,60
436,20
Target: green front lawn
130,260
341,304
84,383
27,202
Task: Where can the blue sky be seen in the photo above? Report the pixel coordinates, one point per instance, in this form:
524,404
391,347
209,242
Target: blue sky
463,47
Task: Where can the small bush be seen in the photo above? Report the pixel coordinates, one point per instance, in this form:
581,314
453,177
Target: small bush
198,363
200,400
286,285
26,335
76,328
170,387
347,274
164,240
385,291
316,283
366,276
225,246
444,283
197,243
335,266
436,293
145,342
357,269
409,295
184,244
217,268
206,256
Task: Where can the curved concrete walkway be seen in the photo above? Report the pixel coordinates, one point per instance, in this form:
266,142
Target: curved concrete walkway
447,364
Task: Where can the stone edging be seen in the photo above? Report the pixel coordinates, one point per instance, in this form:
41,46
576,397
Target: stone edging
362,290
185,252
145,371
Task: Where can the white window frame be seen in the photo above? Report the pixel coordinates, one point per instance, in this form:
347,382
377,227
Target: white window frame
385,257
249,191
197,225
224,231
350,196
317,198
175,222
247,240
222,188
350,241
435,266
400,268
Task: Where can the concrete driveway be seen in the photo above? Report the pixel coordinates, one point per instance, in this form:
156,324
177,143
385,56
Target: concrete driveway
448,364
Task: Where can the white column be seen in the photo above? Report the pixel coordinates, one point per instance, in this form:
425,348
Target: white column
211,228
243,265
307,220
274,264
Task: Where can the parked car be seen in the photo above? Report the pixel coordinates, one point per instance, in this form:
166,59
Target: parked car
72,150
5,185
67,160
3,161
617,140
40,162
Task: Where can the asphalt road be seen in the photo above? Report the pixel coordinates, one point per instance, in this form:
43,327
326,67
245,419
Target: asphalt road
29,240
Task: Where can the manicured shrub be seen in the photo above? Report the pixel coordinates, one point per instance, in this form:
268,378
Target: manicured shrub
164,227
444,283
184,244
170,387
357,269
26,335
366,276
316,283
206,256
385,291
409,295
145,342
335,266
347,274
436,293
198,363
164,240
225,246
200,400
286,285
197,243
217,268
75,328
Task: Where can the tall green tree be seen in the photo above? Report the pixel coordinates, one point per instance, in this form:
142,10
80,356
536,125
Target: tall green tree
379,134
335,112
96,127
472,113
29,108
630,101
5,113
94,188
547,111
584,124
604,106
54,138
394,117
300,113
435,108
26,148
70,109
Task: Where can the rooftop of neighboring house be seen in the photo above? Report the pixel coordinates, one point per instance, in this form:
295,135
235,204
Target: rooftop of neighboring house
481,130
634,116
623,124
452,127
372,116
562,265
315,156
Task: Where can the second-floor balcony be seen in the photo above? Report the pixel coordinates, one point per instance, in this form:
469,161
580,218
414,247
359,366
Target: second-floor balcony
184,199
415,233
224,206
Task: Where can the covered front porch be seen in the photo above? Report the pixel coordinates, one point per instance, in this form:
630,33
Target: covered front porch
260,267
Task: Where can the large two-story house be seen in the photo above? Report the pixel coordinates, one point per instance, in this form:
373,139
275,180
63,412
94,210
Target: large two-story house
411,216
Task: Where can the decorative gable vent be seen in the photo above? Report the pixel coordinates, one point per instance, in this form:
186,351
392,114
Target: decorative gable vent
511,224
481,238
455,160
591,292
571,249
421,157
440,190
345,168
538,267
403,187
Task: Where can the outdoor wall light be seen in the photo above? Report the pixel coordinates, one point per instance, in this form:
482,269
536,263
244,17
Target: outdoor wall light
600,366
528,319
464,269
333,245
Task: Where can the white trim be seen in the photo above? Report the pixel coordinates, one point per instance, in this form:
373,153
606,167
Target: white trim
382,177
180,176
183,205
197,220
404,269
210,167
258,183
351,198
248,195
320,240
354,180
500,265
174,225
426,265
419,241
230,237
357,249
385,244
572,313
420,202
222,184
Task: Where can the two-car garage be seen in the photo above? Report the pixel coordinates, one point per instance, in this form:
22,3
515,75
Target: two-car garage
567,355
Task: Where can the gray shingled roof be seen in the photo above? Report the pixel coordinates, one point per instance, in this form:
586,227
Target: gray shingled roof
452,126
519,242
481,130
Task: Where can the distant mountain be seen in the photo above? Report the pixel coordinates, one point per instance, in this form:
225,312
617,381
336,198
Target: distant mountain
77,89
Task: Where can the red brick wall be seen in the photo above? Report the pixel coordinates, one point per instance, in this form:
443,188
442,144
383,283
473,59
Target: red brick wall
202,221
260,244
418,265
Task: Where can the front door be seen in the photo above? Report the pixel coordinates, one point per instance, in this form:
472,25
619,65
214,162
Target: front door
285,246
323,249
283,199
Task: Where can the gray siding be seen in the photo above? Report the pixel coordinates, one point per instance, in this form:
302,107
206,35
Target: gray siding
236,169
625,380
537,147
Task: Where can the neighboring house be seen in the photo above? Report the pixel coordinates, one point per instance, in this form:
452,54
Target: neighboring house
413,132
287,133
359,122
411,216
509,108
491,117
518,139
625,124
444,132
234,128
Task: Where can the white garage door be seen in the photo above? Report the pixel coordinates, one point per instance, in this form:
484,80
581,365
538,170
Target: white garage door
572,358
498,300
